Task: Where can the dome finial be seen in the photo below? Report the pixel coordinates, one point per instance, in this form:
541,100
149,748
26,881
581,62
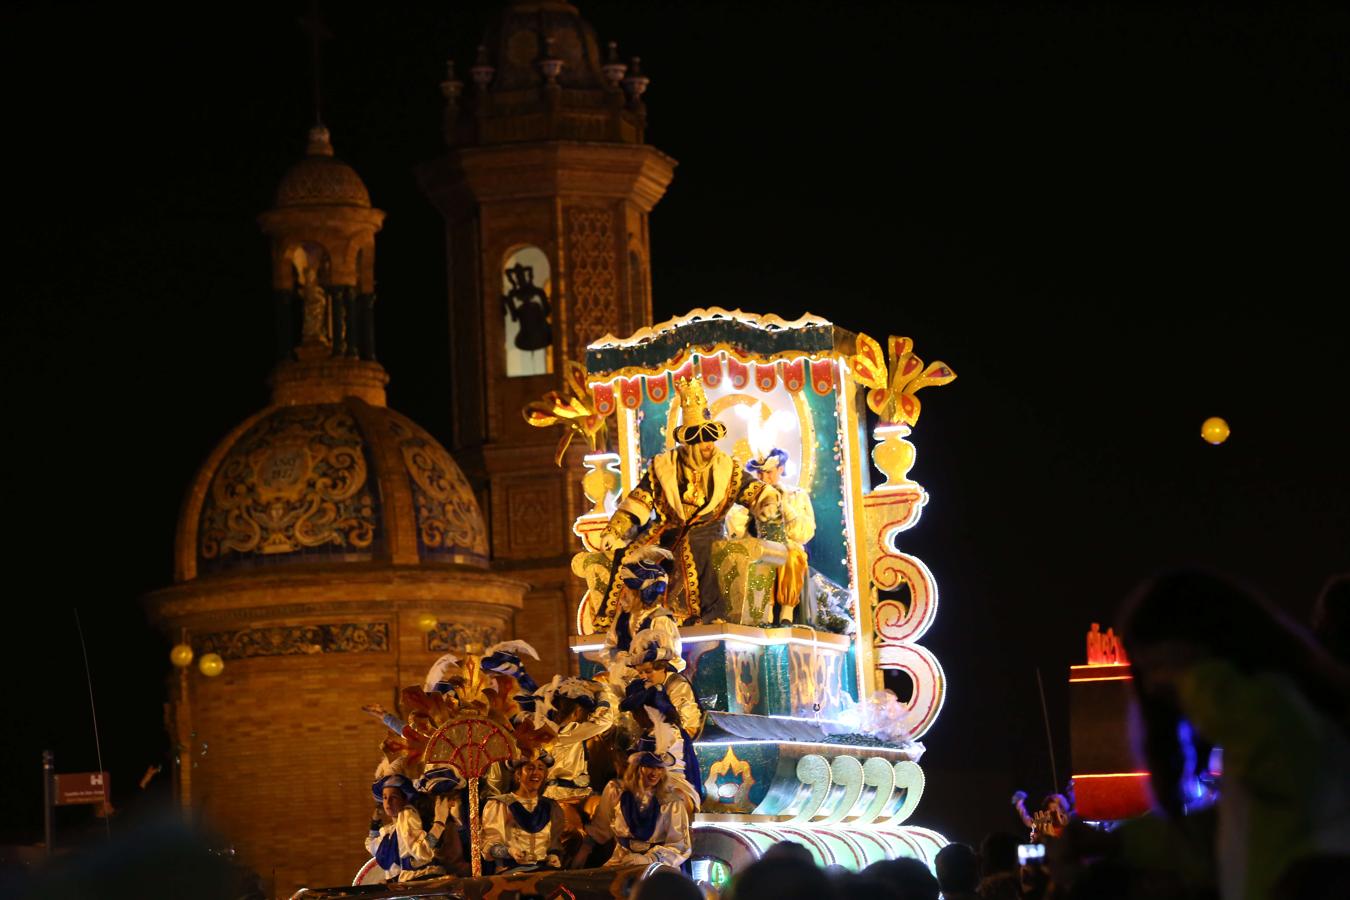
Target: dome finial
318,143
635,85
614,68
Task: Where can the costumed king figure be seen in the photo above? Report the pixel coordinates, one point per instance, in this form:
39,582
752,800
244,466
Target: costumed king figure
645,815
524,829
679,503
795,526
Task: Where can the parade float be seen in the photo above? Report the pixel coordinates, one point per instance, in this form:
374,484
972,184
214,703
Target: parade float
812,710
787,749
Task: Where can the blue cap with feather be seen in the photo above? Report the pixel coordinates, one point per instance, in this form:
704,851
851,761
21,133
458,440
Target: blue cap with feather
775,459
504,659
393,780
439,675
440,780
644,571
652,760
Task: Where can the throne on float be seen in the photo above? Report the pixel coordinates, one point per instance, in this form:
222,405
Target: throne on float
790,748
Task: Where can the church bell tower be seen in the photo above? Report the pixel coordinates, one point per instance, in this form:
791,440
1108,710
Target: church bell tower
546,188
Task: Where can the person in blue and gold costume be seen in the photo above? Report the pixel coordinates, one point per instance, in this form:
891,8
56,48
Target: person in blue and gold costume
524,829
404,848
663,703
679,503
644,813
644,581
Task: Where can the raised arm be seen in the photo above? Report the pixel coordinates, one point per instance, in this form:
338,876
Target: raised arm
416,843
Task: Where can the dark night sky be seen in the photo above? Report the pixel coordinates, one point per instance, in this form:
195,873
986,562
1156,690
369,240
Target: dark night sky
1111,220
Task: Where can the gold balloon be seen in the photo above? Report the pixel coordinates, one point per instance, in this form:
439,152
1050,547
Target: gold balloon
211,665
1214,430
426,622
181,655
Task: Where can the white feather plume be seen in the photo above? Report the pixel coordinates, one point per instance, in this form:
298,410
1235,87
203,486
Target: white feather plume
518,648
440,671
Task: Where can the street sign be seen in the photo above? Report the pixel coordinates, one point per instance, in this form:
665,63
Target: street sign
82,787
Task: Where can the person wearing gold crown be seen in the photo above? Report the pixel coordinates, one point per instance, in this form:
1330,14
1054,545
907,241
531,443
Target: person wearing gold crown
679,503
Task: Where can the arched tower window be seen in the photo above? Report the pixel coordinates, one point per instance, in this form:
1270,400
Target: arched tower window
527,312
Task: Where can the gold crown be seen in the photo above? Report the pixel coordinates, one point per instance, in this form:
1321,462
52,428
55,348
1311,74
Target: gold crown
696,421
693,401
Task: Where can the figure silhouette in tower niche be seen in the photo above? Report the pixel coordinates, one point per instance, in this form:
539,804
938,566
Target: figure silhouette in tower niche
315,327
527,304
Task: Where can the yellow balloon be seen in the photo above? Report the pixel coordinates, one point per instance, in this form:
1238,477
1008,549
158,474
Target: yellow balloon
181,655
211,665
426,622
1214,430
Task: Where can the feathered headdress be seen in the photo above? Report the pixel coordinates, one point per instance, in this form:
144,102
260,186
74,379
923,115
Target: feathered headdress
775,458
390,774
644,571
504,659
440,780
530,755
652,759
577,689
439,676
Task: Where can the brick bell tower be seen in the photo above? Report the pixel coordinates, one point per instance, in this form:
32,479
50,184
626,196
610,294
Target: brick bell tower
546,189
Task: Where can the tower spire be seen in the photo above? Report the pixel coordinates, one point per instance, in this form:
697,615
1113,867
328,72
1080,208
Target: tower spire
312,24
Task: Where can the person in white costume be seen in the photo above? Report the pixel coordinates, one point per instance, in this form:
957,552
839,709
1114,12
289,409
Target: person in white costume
645,815
663,703
524,829
403,848
575,711
644,577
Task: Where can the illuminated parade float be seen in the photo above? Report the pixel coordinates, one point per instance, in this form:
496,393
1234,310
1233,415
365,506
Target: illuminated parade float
797,743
